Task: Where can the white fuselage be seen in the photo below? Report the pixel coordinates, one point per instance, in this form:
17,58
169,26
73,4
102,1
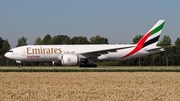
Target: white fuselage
52,52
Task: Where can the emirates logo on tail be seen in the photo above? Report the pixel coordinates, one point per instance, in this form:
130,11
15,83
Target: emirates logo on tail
149,38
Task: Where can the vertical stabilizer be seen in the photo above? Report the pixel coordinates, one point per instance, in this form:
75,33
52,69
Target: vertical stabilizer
150,39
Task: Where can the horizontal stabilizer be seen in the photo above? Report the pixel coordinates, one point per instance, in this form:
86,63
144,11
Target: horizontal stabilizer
154,49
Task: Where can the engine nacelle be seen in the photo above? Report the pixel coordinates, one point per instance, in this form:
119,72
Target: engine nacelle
69,59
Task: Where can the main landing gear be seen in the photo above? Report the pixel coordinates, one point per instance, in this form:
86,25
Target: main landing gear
87,63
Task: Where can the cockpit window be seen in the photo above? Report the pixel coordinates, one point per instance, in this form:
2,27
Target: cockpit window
10,51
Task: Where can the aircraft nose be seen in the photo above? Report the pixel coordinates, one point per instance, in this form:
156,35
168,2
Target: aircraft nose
7,55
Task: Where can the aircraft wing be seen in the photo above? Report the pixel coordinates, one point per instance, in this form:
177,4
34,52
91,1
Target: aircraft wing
95,54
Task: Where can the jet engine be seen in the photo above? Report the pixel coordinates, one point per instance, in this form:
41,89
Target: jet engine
69,59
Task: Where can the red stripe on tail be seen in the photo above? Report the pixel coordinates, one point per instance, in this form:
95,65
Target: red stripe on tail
139,45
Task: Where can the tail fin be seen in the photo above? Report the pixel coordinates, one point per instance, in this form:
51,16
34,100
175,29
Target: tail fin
150,39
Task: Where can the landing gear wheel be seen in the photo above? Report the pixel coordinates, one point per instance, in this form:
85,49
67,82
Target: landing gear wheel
94,65
88,65
20,65
81,65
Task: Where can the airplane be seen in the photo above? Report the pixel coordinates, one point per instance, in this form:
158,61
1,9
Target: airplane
85,55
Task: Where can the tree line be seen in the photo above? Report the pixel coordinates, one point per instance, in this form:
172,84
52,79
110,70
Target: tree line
171,57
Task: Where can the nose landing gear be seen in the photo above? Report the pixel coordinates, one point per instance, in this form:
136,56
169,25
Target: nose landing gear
20,64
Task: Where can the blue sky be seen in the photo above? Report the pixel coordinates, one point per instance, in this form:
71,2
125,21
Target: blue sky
118,20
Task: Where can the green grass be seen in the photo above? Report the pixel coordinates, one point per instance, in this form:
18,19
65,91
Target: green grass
98,69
